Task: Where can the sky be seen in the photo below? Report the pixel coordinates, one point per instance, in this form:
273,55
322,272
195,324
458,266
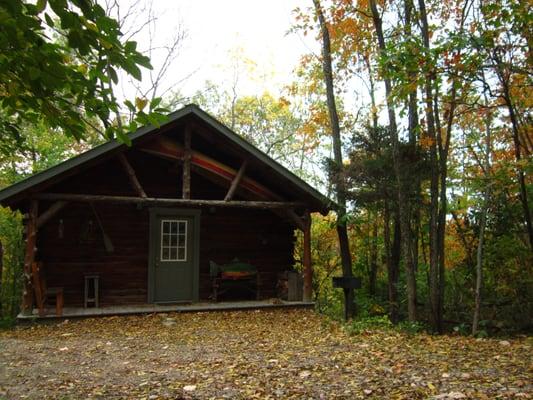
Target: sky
219,32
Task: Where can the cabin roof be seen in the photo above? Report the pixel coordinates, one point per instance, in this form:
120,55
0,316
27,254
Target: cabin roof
19,191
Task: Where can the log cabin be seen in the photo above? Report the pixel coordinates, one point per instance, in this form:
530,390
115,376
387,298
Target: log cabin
145,221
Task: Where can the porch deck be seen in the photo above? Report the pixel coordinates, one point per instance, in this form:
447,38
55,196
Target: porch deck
73,312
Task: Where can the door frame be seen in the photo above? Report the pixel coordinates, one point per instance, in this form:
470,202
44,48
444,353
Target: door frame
157,212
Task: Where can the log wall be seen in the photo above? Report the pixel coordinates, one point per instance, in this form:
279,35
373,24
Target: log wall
255,236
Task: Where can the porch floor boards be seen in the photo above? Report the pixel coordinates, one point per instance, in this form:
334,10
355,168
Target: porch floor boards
69,312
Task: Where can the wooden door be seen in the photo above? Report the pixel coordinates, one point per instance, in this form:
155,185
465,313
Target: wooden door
174,258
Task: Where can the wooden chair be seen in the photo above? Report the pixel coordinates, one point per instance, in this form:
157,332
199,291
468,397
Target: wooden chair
43,293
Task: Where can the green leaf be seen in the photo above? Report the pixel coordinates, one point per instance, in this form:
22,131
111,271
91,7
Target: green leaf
106,24
132,69
113,74
49,20
130,46
155,102
130,105
40,6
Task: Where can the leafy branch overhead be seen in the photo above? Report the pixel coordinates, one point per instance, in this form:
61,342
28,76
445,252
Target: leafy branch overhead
59,61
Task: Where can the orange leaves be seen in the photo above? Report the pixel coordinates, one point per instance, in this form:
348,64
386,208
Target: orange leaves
426,142
348,26
521,90
455,251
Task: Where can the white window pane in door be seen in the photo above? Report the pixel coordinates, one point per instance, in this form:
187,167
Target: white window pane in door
173,240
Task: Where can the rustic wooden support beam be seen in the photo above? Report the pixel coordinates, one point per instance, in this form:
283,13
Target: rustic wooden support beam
50,212
1,269
131,175
298,221
308,268
236,180
39,295
29,257
87,198
186,181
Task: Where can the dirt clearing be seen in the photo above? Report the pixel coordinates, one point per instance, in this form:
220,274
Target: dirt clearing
253,354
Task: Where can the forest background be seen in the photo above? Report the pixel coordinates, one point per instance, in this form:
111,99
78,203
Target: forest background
415,116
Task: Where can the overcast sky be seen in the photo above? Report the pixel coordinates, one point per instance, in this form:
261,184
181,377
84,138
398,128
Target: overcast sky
216,30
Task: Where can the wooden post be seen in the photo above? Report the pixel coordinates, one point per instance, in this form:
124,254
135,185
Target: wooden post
37,288
236,180
308,268
1,272
29,257
186,188
131,175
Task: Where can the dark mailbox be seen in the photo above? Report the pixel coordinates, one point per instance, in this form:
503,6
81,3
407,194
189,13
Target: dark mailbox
346,283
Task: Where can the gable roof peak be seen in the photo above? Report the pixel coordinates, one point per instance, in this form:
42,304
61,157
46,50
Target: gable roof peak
17,190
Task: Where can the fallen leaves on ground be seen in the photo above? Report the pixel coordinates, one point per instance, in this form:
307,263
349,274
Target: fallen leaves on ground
278,354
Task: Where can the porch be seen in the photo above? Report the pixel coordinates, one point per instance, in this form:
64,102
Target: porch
74,312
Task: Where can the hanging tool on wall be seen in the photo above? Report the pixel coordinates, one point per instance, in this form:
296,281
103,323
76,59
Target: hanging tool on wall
107,240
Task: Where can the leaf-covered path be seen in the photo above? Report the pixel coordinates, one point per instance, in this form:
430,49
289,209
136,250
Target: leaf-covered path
254,354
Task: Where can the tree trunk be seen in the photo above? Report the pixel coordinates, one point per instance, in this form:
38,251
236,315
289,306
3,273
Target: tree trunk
374,243
337,152
373,272
392,253
29,257
308,268
482,224
518,157
1,276
403,200
413,127
439,149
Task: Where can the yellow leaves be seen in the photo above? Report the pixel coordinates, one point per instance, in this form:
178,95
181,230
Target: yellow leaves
284,102
140,103
82,68
289,354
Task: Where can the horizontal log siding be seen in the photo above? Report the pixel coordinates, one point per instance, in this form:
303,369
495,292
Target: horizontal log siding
255,236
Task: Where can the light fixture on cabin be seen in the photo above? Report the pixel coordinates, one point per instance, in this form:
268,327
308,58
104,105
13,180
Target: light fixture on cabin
87,233
61,229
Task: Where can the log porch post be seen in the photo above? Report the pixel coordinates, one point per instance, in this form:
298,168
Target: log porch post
29,257
308,268
1,268
186,184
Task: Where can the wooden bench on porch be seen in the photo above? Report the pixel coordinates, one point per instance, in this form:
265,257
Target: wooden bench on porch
235,275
